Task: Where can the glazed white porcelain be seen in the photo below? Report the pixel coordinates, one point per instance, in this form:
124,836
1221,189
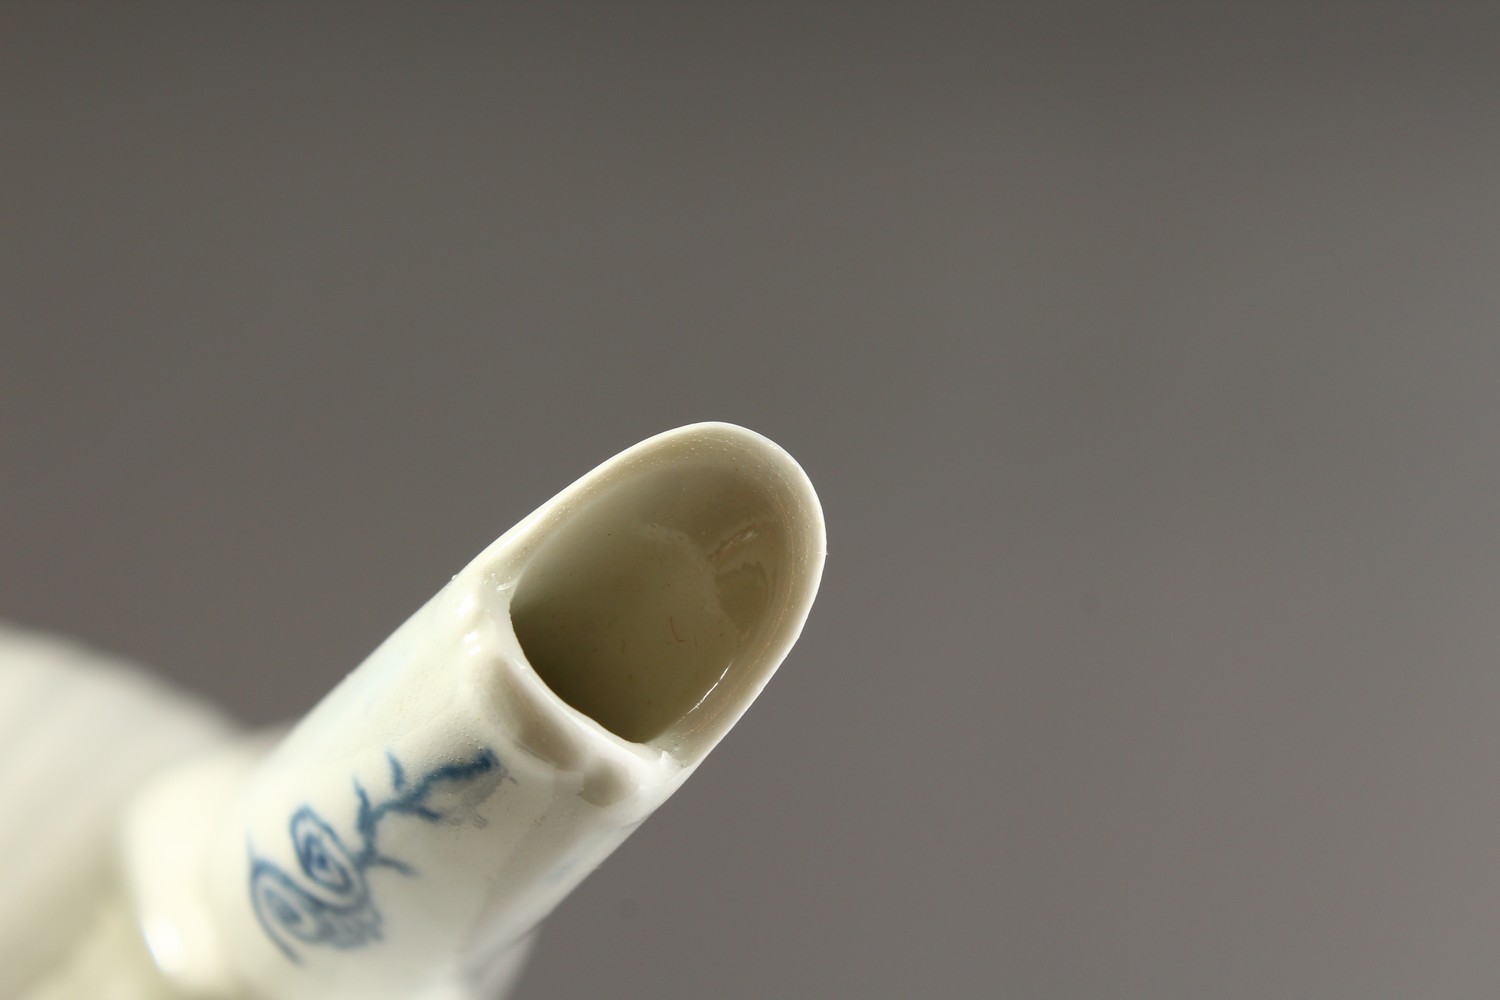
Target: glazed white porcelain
405,838
82,734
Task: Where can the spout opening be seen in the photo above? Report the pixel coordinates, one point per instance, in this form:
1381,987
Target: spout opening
663,600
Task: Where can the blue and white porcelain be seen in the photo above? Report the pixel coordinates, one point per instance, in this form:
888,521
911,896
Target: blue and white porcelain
404,840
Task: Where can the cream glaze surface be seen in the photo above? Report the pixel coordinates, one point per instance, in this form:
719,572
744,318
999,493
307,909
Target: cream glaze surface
407,836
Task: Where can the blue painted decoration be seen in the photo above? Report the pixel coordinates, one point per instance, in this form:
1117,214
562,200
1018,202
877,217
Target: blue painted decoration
328,901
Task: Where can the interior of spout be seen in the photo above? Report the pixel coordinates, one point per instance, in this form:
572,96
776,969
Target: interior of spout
662,600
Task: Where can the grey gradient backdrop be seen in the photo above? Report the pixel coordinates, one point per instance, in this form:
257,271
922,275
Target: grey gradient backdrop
1145,358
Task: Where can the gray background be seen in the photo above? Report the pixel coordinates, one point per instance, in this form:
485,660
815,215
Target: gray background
1146,361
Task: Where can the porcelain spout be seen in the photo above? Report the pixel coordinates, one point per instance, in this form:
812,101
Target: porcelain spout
407,836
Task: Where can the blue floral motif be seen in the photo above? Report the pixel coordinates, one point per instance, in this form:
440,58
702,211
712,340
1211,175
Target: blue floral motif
328,902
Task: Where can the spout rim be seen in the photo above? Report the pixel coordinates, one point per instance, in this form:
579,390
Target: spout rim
789,489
